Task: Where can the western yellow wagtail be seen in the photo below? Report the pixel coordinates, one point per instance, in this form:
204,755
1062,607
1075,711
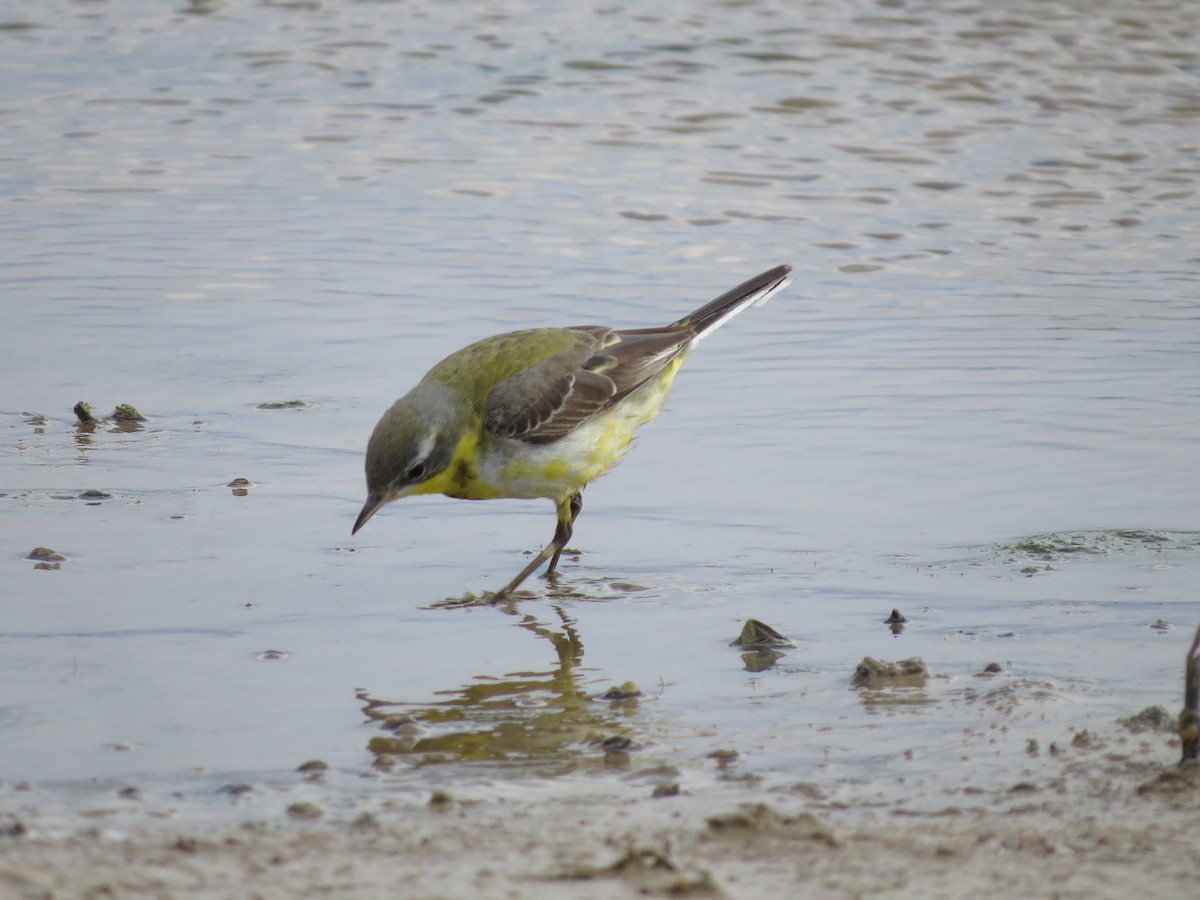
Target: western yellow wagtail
537,413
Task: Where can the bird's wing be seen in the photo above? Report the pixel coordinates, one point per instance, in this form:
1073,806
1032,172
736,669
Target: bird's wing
556,395
550,398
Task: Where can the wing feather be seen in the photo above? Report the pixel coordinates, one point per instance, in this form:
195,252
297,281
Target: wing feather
598,368
552,398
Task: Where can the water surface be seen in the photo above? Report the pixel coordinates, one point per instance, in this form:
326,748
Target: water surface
993,336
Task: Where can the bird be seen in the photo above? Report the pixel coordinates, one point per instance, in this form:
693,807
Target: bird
537,413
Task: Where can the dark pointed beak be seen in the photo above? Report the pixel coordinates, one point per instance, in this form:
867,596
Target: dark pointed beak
374,501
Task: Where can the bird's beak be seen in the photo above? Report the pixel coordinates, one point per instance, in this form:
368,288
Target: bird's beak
374,501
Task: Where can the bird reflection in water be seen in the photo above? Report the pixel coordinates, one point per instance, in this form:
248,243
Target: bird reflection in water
542,721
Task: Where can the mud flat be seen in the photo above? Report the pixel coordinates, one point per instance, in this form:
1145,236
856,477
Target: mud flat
1113,815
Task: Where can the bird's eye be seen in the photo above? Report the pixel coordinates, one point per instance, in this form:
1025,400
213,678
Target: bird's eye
415,472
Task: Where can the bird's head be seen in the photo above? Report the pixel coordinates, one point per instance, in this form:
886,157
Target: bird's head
411,445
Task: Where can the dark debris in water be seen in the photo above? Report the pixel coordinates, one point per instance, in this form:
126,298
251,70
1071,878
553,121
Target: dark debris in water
46,559
304,811
125,417
877,673
282,404
45,554
127,412
751,818
758,634
240,487
1152,718
647,871
626,691
896,622
615,743
83,412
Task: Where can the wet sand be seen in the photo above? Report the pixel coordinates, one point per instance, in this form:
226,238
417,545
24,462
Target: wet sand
1110,816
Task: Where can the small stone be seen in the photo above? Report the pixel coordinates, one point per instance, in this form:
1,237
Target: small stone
617,743
1152,718
872,672
759,634
758,817
305,811
84,413
45,554
127,412
625,691
282,404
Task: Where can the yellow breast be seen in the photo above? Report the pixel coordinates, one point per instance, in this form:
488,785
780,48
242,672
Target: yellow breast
511,468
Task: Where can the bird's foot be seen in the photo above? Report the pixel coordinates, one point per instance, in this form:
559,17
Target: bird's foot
466,600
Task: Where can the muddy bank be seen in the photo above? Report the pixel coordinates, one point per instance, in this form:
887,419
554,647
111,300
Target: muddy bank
1108,823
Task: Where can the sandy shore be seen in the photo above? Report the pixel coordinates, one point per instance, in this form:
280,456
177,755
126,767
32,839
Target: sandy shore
1104,824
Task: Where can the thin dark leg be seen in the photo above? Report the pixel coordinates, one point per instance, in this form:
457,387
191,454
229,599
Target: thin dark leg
568,512
574,508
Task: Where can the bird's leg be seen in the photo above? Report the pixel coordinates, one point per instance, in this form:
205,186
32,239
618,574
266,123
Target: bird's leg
568,511
574,508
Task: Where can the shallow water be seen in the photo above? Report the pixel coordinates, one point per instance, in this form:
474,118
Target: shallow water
992,336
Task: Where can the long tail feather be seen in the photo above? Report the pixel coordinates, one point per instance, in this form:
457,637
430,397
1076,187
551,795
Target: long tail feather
750,293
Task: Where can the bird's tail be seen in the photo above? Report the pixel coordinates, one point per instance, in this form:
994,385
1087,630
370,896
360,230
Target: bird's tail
751,293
